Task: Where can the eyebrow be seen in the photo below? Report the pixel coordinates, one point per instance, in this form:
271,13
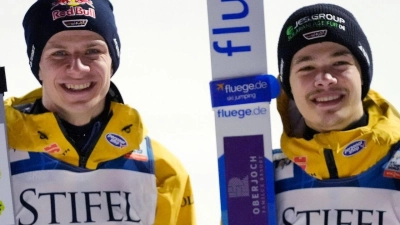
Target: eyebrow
87,45
54,45
341,53
301,59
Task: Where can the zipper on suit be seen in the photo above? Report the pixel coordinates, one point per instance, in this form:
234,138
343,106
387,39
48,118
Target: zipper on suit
331,164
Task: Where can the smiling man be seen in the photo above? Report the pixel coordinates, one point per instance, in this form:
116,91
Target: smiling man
338,162
78,154
326,85
75,70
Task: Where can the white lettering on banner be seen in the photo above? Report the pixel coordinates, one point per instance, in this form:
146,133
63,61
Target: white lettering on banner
96,197
241,91
338,205
245,88
257,185
241,97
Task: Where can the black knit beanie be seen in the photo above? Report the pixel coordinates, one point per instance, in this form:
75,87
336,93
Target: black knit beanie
48,17
318,23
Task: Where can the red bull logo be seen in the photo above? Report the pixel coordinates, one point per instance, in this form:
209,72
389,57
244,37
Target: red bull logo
75,8
72,3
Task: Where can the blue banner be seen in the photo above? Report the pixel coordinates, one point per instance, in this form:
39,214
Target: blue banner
244,90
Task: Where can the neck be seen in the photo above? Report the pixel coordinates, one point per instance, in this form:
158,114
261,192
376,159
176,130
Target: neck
363,121
77,117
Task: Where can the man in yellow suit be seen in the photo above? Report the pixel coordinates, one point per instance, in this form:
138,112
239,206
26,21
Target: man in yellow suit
78,154
339,156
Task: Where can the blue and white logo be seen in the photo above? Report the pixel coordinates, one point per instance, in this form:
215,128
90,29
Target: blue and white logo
354,147
116,140
244,90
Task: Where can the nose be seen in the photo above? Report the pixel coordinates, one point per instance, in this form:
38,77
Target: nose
325,79
76,66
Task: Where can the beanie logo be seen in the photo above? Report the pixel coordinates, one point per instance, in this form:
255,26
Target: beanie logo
315,21
364,53
75,23
282,64
75,9
32,55
315,34
116,47
72,3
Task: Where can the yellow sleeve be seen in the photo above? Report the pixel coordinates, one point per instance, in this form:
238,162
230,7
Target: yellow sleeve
175,203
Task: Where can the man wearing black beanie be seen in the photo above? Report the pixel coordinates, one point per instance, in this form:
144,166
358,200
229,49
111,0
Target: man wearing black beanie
339,157
79,154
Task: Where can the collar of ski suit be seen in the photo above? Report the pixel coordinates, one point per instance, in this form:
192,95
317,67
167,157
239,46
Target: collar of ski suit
42,133
353,151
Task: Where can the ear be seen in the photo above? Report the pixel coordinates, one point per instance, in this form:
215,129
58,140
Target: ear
40,75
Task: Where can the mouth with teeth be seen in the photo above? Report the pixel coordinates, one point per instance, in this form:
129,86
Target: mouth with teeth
78,87
331,99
